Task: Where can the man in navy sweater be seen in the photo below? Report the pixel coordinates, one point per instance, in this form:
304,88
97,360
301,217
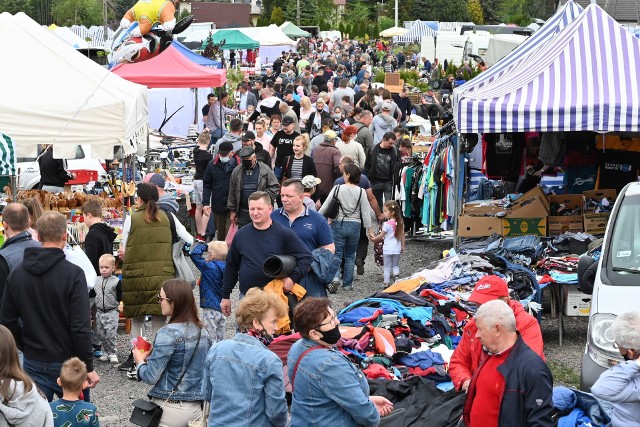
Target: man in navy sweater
253,244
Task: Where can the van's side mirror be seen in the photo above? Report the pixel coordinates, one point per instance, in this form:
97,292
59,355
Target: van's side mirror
587,268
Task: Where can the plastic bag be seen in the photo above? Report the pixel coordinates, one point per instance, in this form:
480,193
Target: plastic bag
76,255
231,233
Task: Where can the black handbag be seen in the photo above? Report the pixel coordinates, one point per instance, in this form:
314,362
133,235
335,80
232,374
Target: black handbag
146,413
334,205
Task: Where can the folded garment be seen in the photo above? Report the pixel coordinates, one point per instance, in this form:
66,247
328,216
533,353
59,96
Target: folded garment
424,359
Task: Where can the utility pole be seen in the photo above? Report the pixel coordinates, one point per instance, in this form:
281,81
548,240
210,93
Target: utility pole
104,18
396,14
298,13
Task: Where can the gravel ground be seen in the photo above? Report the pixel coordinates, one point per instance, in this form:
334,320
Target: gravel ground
115,393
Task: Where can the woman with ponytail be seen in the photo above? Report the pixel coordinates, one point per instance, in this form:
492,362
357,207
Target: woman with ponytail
299,165
147,262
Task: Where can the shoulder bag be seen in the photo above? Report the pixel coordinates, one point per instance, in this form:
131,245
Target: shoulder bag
334,205
148,414
183,270
304,353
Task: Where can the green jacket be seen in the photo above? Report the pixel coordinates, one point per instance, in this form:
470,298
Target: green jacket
147,264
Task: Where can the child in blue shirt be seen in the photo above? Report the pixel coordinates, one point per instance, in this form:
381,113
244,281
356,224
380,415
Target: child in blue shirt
71,410
209,259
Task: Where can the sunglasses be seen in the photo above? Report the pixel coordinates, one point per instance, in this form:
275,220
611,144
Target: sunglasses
160,298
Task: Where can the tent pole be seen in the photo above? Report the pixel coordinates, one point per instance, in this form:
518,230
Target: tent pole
195,113
148,159
457,181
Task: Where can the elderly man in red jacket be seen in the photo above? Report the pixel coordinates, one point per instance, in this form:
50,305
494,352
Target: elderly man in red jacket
469,354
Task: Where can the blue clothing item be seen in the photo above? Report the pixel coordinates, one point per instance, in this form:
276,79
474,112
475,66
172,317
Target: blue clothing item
352,317
346,235
172,349
67,413
620,385
564,399
243,381
565,278
576,418
210,278
323,269
251,247
310,227
446,386
422,359
364,183
393,306
328,389
45,375
522,244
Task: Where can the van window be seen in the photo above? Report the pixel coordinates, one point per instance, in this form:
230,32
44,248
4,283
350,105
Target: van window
625,242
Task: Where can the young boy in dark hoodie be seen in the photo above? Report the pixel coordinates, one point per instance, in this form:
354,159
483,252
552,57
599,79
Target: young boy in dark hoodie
99,239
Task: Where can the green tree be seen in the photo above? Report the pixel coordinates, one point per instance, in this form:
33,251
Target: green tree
121,7
475,12
515,12
277,16
15,6
490,11
77,12
440,10
405,10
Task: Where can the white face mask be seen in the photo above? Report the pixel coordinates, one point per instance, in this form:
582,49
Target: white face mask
224,159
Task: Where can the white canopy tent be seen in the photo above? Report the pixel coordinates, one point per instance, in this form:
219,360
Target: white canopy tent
68,36
53,94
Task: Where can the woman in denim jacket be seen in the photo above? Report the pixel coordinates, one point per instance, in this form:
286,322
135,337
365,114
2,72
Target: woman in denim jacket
328,390
243,379
180,346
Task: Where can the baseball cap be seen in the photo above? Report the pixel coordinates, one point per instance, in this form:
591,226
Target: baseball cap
224,147
288,92
248,136
386,106
310,181
330,135
489,288
245,152
157,180
286,120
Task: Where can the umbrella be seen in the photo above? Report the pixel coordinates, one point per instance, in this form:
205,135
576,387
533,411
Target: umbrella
394,31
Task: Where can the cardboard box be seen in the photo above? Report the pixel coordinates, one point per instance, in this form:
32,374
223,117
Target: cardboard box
576,303
559,224
532,204
524,226
595,223
597,195
478,226
481,208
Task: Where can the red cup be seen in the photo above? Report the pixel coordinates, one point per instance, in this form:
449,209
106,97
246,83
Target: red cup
142,345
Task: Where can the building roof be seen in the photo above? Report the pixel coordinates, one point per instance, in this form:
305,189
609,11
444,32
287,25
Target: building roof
620,10
223,15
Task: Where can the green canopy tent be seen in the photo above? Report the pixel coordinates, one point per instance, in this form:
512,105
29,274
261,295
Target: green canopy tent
234,40
7,162
292,30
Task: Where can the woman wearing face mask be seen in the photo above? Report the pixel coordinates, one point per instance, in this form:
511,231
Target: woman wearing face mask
299,164
243,378
328,390
314,122
349,148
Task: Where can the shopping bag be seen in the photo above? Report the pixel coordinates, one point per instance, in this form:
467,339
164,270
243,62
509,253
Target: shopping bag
231,233
76,255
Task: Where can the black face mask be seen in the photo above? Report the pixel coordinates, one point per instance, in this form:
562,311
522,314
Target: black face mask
247,164
626,357
332,336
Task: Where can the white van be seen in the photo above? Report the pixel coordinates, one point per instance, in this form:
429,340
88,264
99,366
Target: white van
613,281
450,46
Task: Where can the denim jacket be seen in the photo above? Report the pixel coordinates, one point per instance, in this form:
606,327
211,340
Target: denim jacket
211,279
172,349
329,390
243,381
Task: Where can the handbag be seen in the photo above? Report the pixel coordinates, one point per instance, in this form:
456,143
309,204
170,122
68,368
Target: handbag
183,270
334,205
146,413
233,228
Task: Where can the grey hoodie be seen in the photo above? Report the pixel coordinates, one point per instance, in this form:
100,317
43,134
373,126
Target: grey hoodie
25,409
229,137
382,124
168,204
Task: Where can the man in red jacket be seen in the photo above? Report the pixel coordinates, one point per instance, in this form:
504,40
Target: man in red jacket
469,354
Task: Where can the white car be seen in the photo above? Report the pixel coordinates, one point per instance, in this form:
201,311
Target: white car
29,170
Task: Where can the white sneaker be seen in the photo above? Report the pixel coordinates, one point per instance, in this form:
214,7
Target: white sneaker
113,358
104,358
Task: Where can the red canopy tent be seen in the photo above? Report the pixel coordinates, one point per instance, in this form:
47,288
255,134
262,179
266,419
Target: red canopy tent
171,69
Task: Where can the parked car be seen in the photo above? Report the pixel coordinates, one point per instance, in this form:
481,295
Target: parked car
29,170
613,281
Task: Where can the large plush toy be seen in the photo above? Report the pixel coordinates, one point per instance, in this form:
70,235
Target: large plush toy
147,13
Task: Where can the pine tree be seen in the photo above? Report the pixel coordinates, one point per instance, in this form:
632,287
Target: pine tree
277,16
475,12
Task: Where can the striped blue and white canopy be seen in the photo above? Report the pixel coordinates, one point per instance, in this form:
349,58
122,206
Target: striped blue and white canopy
417,31
7,156
556,23
584,79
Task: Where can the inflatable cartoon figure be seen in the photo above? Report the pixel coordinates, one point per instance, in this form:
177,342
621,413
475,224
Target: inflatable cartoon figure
147,13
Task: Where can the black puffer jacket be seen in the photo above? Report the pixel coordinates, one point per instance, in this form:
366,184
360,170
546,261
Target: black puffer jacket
99,241
215,184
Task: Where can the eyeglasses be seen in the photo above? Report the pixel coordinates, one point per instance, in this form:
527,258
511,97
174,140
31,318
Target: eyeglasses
331,320
160,298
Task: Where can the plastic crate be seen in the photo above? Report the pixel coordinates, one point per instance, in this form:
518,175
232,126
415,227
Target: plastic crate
83,176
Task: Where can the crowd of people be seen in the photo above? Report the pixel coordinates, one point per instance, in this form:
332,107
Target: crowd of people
304,170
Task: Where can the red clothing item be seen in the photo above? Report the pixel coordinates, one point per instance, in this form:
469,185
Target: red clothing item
487,393
469,354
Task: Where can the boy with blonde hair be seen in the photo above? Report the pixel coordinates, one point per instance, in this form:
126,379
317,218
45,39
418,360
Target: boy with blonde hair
108,290
70,410
210,260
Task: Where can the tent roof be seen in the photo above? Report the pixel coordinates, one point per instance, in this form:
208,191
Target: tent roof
235,39
75,101
417,31
194,57
292,30
273,36
559,87
393,31
69,37
171,69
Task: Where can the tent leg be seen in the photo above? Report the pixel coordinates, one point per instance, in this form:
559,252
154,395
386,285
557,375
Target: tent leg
148,159
195,113
457,180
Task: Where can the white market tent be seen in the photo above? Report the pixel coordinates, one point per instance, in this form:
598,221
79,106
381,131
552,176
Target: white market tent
417,31
53,94
68,36
559,87
94,35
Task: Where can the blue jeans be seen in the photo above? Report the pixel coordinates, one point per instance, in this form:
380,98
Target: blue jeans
346,235
45,374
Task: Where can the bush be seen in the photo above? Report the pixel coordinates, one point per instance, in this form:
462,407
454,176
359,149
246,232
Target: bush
378,75
409,76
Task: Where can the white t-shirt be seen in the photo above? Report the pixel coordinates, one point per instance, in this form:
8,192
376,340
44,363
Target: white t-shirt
391,246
